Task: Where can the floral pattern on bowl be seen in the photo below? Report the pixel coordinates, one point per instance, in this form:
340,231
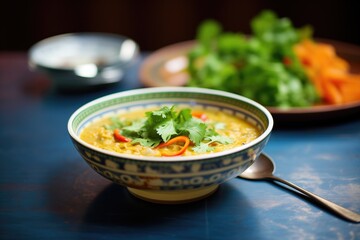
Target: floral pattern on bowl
175,179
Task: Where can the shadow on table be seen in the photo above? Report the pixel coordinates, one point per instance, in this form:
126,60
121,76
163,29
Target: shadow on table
71,189
83,198
223,215
115,205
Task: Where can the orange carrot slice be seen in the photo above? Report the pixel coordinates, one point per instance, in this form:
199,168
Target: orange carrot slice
174,140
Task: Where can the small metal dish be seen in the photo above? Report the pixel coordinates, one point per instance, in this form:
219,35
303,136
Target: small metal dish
78,60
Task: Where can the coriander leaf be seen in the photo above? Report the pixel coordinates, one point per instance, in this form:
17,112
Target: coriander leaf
195,129
202,148
210,132
220,139
135,129
116,123
162,112
166,130
156,118
183,116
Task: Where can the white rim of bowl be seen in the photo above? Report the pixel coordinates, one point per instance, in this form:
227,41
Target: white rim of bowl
265,134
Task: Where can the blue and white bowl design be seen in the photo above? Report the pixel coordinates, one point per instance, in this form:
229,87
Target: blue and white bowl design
175,179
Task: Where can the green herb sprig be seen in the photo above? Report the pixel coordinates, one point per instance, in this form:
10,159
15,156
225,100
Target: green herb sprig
166,123
262,66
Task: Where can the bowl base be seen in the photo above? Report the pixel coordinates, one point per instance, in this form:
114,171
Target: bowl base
173,197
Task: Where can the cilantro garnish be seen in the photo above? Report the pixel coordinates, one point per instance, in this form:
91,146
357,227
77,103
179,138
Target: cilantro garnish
115,123
165,123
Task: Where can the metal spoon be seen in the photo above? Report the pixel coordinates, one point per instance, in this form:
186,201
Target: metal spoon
263,168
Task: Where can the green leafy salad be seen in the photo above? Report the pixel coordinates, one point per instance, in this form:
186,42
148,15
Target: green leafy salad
262,66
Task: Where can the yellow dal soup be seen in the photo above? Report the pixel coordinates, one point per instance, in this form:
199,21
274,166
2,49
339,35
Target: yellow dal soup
235,130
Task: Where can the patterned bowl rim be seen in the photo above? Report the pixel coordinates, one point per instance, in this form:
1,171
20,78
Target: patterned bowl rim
155,90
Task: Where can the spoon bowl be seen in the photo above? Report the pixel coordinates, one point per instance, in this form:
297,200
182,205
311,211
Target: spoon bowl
263,168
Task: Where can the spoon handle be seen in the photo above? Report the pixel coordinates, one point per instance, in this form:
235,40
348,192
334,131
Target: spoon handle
346,213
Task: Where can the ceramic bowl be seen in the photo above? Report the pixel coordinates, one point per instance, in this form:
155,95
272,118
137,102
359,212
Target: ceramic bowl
176,179
78,60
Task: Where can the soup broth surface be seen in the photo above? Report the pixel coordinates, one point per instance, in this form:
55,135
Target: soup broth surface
237,129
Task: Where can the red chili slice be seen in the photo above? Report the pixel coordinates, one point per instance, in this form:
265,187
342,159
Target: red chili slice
183,139
120,137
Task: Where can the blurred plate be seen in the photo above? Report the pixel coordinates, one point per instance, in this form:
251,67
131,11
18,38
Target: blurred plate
77,61
167,67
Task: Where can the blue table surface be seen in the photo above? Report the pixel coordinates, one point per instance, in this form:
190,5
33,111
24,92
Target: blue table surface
48,192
